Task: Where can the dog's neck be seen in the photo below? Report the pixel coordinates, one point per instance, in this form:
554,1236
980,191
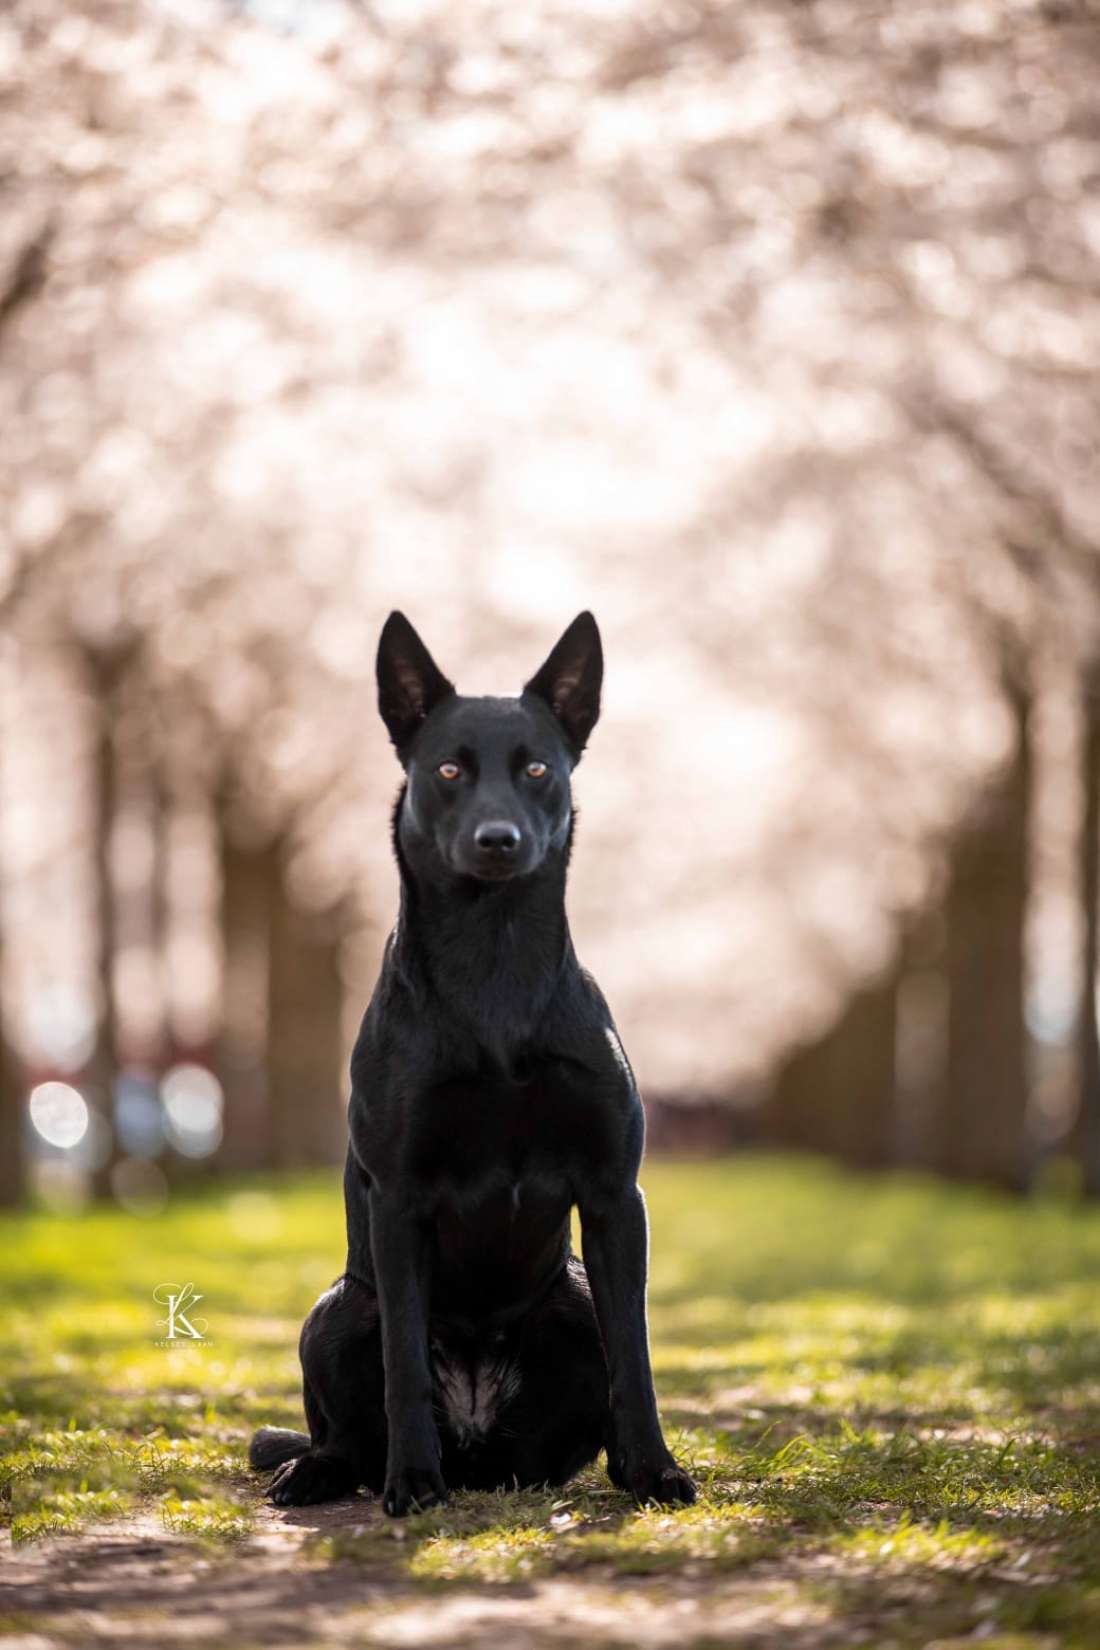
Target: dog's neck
490,954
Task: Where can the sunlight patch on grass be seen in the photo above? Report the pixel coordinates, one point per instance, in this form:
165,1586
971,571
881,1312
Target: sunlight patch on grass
513,1554
542,1536
64,1511
210,1518
720,1536
938,1546
61,1481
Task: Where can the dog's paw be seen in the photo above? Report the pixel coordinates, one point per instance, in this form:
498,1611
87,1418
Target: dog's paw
311,1478
664,1484
413,1489
669,1487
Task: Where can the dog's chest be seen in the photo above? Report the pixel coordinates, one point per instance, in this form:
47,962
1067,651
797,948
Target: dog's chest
496,1139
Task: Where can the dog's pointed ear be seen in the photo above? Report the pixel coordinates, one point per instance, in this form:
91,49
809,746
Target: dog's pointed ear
410,683
570,680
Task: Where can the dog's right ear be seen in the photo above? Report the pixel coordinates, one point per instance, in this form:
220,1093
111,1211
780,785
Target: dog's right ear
569,680
410,683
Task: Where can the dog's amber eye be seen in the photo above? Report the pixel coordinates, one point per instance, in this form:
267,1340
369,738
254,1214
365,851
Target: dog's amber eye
536,770
448,770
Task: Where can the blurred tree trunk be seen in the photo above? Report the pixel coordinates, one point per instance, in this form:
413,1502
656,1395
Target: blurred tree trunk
160,920
863,1097
305,1037
980,1129
13,1165
249,873
921,1054
789,1113
12,1154
160,1050
1084,1139
837,1095
105,668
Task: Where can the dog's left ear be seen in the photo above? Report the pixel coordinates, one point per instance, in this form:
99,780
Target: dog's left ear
410,683
570,680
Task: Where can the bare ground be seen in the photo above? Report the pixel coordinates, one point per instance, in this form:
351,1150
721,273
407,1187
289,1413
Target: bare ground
132,1584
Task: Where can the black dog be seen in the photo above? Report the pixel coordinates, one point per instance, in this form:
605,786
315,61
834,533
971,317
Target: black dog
464,1345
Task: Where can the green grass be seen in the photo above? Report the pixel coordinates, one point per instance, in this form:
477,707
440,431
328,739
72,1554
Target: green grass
888,1390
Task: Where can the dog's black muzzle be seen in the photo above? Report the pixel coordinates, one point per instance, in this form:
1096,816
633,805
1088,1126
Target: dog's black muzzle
497,851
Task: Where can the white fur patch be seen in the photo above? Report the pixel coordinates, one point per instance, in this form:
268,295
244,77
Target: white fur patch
473,1394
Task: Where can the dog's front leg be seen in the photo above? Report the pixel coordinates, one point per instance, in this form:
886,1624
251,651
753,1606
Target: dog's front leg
399,1248
615,1238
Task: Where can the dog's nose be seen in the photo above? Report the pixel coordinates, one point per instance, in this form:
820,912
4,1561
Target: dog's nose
498,836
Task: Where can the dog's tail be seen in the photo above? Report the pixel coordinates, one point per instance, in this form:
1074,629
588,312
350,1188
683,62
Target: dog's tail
271,1446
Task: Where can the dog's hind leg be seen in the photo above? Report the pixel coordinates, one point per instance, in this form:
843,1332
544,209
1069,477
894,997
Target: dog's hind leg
273,1447
344,1393
556,1422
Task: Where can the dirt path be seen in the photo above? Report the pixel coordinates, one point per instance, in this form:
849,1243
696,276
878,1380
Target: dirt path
130,1584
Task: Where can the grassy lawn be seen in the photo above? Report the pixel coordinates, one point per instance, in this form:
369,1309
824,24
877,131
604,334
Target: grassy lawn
888,1390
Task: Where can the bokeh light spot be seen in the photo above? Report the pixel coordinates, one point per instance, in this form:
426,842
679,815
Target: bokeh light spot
193,1106
59,1114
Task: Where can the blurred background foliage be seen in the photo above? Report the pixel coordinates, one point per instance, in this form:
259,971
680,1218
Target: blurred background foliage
771,334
